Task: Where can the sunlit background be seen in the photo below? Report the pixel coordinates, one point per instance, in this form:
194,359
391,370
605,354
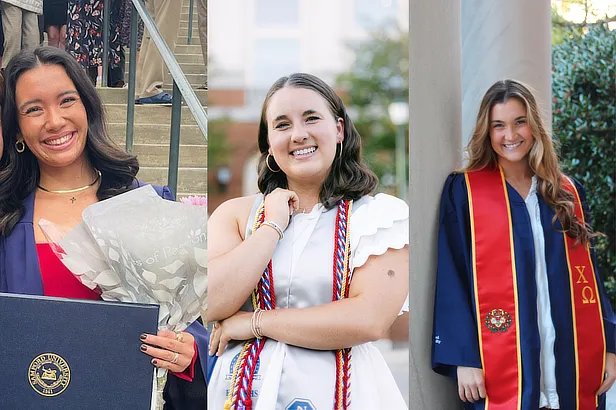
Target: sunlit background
358,46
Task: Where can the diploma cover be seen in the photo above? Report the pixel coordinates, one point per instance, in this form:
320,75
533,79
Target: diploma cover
60,353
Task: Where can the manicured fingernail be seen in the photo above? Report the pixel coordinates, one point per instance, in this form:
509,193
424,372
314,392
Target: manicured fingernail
143,348
143,337
154,362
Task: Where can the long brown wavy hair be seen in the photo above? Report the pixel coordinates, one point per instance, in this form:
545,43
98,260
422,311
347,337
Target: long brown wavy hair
542,157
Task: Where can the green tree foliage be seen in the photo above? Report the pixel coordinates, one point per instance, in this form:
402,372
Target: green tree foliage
594,13
219,149
584,123
561,28
378,77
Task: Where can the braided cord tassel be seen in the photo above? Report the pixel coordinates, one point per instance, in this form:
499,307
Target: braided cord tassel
231,398
263,297
341,285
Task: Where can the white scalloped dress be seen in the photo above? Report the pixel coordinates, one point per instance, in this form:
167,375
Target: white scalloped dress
290,377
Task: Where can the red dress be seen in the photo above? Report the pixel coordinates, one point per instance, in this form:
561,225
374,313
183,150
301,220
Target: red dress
58,281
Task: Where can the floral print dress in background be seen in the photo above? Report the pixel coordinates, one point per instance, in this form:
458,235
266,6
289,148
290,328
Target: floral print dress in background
125,17
84,32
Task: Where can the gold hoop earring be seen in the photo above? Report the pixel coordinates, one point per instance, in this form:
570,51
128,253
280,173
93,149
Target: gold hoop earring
340,155
268,165
20,146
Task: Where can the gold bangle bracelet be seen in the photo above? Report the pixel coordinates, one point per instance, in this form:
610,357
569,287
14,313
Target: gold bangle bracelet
254,325
258,324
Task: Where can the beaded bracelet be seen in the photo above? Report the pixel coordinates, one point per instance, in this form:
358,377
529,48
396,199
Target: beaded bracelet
275,226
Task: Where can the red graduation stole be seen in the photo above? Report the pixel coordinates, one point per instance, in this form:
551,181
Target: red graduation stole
496,297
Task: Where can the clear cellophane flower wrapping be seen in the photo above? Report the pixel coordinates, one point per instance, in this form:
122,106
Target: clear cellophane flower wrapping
138,247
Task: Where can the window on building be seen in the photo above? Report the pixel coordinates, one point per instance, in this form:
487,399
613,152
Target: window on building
277,13
274,58
371,14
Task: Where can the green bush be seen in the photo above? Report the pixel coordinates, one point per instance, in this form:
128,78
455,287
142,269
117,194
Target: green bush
584,115
378,77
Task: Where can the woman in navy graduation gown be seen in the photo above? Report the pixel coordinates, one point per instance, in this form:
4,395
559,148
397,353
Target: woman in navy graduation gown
521,317
57,160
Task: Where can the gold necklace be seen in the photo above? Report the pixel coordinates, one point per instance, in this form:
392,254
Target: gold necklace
302,210
72,191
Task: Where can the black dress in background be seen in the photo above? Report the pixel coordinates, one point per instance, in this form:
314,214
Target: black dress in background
55,13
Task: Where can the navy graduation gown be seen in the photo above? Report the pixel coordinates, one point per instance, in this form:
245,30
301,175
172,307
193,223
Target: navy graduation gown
455,340
20,273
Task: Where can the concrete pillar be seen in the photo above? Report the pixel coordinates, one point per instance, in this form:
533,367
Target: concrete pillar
435,143
505,39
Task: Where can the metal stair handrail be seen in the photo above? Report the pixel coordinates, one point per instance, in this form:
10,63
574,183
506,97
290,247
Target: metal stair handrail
174,67
181,86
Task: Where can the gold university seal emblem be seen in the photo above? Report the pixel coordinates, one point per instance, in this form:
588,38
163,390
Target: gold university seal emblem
49,374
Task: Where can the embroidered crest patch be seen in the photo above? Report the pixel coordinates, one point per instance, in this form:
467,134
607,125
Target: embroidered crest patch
498,320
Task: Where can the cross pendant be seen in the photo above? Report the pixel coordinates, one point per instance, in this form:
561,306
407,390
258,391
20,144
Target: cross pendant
73,199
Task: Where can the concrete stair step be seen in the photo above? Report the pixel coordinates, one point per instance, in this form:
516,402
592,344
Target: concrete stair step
190,58
187,49
193,79
182,58
156,134
191,156
184,32
120,95
184,23
188,68
183,39
184,16
190,180
147,114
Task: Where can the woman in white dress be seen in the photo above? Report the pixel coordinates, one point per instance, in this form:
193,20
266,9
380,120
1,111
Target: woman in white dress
292,330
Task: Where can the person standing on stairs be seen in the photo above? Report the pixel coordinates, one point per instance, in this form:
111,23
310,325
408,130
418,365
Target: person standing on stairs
151,68
55,16
202,24
126,11
1,40
20,25
84,38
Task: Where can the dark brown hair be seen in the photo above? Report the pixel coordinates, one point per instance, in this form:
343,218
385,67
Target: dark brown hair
349,178
19,172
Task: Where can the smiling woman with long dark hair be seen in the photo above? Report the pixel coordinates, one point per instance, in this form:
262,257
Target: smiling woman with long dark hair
58,160
304,275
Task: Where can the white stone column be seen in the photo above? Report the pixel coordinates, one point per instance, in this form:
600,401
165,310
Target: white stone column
505,39
435,141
